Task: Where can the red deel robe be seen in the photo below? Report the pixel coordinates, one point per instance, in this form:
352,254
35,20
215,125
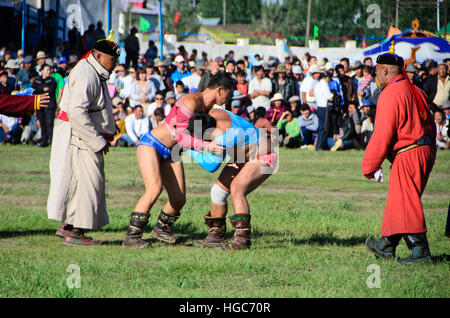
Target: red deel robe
18,105
397,125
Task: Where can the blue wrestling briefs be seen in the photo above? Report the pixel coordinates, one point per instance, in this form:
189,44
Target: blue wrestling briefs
151,141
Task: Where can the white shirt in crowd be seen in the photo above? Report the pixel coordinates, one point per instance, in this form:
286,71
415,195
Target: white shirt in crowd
151,109
264,85
322,93
308,84
136,128
442,130
191,82
9,121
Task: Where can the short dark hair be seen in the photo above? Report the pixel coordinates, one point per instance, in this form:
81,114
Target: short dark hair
207,121
305,107
221,79
159,112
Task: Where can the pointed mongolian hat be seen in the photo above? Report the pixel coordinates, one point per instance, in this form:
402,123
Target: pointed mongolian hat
108,46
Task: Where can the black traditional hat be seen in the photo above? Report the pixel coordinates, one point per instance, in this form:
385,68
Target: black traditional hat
390,57
108,46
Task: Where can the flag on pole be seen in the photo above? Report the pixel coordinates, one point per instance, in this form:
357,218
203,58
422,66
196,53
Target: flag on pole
144,25
176,18
316,31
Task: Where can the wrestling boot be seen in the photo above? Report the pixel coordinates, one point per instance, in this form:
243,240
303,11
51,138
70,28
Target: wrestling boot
64,230
77,237
418,244
133,238
385,247
163,228
241,236
216,234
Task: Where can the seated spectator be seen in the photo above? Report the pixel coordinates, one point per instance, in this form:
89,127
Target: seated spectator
308,123
236,107
442,139
289,130
170,98
137,125
367,127
157,118
276,109
121,139
5,87
242,84
260,121
349,138
355,114
158,103
10,129
294,105
179,89
141,91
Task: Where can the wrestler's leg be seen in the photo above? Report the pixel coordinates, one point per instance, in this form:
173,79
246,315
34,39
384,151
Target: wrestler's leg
174,182
248,179
215,218
148,160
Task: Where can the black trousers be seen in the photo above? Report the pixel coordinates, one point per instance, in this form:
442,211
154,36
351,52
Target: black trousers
46,118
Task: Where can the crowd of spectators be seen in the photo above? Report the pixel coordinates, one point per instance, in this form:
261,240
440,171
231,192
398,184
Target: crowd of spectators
314,103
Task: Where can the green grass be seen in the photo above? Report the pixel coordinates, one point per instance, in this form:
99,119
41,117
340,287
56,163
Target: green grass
310,221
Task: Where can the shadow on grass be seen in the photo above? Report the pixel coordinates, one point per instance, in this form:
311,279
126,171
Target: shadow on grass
444,258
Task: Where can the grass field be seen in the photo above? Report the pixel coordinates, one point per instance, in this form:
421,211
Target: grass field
310,221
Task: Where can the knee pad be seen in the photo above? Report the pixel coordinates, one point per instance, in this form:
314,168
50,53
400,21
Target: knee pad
219,195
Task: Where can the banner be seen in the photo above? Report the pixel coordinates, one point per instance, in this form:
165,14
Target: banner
84,12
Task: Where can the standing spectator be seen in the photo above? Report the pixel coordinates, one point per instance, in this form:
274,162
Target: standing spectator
297,75
348,90
322,96
443,86
282,83
276,109
132,49
308,85
151,53
357,79
259,88
46,84
442,139
213,70
192,81
180,72
308,123
99,33
137,125
88,39
74,39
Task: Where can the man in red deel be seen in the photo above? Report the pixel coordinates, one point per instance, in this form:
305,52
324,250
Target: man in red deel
405,134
